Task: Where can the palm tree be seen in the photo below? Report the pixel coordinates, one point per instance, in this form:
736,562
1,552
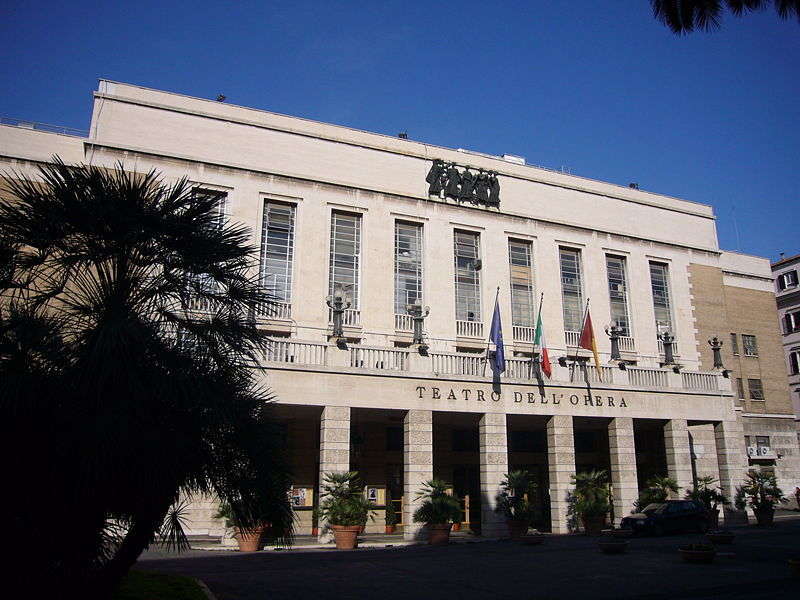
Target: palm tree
684,16
128,358
657,489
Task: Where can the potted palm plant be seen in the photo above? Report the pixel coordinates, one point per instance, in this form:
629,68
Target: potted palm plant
709,496
249,540
514,502
760,490
591,499
658,489
438,511
391,517
344,507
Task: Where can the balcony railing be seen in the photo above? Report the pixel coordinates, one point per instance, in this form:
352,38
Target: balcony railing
200,304
350,318
473,329
524,334
627,344
700,381
592,374
458,364
379,358
403,322
274,310
571,338
674,348
647,377
301,353
519,368
22,124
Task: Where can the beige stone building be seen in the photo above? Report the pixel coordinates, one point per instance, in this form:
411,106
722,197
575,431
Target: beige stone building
346,213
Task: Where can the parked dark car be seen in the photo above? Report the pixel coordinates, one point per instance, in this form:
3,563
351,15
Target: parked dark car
672,516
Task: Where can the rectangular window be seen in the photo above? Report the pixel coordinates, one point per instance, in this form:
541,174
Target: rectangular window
522,301
277,250
467,276
407,265
205,281
794,362
749,345
734,344
345,258
756,389
787,280
792,321
740,388
662,306
571,288
618,293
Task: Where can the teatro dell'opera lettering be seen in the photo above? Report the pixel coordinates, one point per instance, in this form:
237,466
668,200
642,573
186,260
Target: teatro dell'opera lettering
554,398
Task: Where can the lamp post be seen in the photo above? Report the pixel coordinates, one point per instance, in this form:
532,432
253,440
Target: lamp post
613,334
669,341
418,314
338,302
716,348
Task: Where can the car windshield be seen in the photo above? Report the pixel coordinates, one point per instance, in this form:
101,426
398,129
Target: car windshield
652,508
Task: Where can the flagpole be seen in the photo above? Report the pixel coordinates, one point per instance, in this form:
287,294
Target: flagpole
489,340
577,348
537,332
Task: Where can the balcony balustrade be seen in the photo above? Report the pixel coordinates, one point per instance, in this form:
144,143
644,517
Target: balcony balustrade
300,353
700,381
274,310
472,329
379,358
653,378
457,364
403,322
572,338
350,318
627,344
524,334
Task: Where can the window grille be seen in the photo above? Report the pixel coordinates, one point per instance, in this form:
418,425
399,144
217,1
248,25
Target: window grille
756,389
662,305
345,256
618,294
407,265
277,250
522,299
749,345
467,276
571,289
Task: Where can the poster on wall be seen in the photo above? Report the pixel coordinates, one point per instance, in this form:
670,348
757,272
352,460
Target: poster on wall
298,496
372,494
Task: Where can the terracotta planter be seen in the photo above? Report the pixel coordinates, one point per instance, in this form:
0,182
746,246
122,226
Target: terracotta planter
439,534
594,525
389,529
346,536
794,566
765,517
249,541
720,537
697,557
315,531
613,546
456,527
516,529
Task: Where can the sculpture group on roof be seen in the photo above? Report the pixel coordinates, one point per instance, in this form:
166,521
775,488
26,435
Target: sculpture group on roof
445,180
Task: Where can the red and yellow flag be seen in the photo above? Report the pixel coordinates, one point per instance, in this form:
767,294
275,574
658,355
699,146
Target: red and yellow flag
589,342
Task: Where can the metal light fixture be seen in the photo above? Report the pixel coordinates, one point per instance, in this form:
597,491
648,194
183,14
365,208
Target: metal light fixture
338,303
418,314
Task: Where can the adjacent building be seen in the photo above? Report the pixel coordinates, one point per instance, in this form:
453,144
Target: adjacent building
371,232
786,272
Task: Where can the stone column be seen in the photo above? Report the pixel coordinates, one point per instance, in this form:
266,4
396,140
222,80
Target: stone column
679,454
622,453
494,467
561,466
334,448
417,465
732,459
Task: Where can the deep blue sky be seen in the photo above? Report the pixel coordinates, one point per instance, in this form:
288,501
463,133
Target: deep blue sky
599,88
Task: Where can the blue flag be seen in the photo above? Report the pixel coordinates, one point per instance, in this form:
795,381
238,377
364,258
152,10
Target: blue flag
496,337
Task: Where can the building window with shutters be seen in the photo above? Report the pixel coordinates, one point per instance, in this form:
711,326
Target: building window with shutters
345,258
466,255
792,321
571,289
734,344
277,252
407,265
522,298
787,280
662,304
756,389
618,294
749,345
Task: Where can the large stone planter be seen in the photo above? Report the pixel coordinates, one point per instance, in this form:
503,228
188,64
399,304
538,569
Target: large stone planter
516,529
249,540
594,525
765,517
346,536
439,534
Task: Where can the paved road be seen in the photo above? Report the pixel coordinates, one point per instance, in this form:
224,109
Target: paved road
563,567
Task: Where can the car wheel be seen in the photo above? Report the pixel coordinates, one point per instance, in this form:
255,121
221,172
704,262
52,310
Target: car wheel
658,530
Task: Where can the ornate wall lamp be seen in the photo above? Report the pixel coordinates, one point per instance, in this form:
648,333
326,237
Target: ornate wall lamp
338,303
716,348
418,314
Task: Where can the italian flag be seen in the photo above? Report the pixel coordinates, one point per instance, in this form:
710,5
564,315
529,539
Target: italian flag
538,340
